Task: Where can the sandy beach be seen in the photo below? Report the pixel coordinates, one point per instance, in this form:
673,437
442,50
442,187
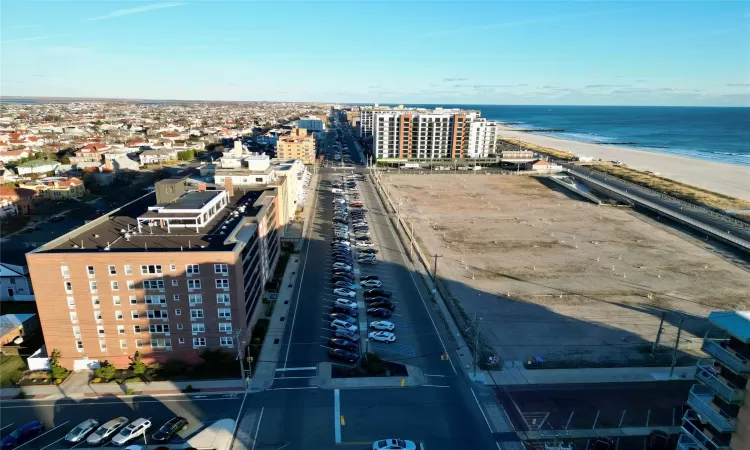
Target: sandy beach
727,179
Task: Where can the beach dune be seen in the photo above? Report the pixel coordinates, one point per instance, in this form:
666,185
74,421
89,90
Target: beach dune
723,178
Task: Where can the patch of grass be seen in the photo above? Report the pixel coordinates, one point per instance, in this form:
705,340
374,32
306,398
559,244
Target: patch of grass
11,370
513,145
676,189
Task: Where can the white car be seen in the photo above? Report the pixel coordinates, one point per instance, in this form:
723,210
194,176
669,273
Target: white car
342,244
370,283
382,336
364,244
341,325
394,444
136,428
382,325
344,292
341,266
345,302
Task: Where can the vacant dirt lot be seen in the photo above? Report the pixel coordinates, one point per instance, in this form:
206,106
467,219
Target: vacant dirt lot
558,277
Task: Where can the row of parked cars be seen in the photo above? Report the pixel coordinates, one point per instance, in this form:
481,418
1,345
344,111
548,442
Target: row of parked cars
118,431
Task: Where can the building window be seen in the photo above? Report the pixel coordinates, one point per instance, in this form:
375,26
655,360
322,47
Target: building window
115,285
179,326
199,342
138,343
68,287
128,269
157,314
100,331
76,332
158,328
118,315
74,318
181,340
130,284
92,287
177,312
192,269
98,316
196,314
95,302
134,315
71,302
175,283
226,342
222,298
176,297
172,267
90,271
193,284
221,269
153,285
136,328
225,327
161,344
156,299
79,346
222,284
116,300
103,346
123,343
225,313
198,328
151,269
112,270
120,329
195,299
65,271
133,300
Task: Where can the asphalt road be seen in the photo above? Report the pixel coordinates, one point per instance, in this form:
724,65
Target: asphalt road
60,416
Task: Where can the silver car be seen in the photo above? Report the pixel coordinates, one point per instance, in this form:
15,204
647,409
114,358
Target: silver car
81,430
136,428
106,431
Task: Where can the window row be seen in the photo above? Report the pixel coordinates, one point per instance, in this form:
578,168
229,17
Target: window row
222,313
193,299
161,344
224,327
148,269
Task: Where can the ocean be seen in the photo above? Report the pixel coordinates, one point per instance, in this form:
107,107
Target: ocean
716,134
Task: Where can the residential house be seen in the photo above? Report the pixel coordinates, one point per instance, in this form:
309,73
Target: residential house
37,166
9,156
15,283
7,209
157,156
7,175
90,153
13,326
22,198
542,166
119,162
56,188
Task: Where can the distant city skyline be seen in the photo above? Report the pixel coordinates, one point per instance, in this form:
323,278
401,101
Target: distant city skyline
544,53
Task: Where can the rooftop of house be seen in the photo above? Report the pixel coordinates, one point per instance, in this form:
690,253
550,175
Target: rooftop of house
118,230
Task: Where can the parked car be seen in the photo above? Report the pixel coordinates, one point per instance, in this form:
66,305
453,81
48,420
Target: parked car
371,283
344,292
370,251
394,444
341,266
169,429
138,427
369,278
379,312
341,325
383,325
378,293
382,336
351,312
368,261
341,354
342,317
387,304
345,302
80,431
106,431
22,434
343,344
364,244
351,336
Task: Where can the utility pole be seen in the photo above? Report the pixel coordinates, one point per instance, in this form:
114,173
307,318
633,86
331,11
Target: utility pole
237,334
476,341
676,344
658,334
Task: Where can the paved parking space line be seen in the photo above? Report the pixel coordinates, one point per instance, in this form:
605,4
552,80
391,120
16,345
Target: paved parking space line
6,426
28,442
294,369
295,378
50,445
435,386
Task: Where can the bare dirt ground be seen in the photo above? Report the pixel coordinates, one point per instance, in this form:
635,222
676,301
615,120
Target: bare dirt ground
555,276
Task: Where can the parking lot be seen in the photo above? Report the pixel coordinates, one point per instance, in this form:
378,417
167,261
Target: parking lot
60,417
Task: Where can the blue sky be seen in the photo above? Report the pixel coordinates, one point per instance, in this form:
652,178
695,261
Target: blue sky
489,52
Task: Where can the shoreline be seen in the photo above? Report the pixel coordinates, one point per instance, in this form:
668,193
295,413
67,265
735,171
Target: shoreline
724,178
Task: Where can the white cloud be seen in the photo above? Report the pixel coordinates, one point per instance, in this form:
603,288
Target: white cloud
140,9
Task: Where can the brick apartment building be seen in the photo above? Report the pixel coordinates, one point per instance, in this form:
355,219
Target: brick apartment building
168,275
297,145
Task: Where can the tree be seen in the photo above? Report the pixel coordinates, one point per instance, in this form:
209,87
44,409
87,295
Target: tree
187,155
136,364
105,371
56,370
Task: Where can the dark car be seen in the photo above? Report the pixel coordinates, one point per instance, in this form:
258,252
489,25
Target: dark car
169,429
348,335
351,312
379,312
377,299
387,304
22,434
343,344
378,293
345,317
340,220
336,278
369,251
362,238
343,355
341,255
343,273
370,278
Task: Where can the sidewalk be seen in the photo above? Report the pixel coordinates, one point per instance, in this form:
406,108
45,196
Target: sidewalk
512,376
269,353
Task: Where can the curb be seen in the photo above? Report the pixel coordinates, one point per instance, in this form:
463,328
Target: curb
170,393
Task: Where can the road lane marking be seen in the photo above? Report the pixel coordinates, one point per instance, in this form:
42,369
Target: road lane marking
295,378
292,388
302,274
481,410
435,385
28,442
337,415
294,369
255,438
239,413
433,375
6,426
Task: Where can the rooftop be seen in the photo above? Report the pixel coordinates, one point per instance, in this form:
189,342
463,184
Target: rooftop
118,230
736,323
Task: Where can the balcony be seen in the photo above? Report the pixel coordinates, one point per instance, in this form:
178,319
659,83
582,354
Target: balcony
711,378
695,438
716,345
701,400
686,443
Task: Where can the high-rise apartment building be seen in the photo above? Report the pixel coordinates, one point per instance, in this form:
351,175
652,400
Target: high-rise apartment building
718,418
297,145
431,134
168,275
